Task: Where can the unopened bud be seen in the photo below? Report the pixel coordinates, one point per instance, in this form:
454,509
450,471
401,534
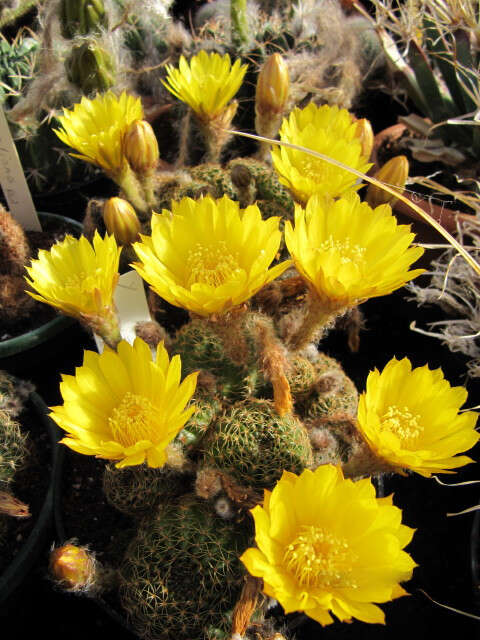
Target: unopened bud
73,567
366,137
394,173
90,68
121,220
141,147
272,86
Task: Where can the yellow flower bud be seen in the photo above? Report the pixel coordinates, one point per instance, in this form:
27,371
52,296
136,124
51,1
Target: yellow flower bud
272,86
121,220
394,173
73,567
141,147
366,137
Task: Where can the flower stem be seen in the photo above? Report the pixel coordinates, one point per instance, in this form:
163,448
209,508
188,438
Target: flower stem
105,325
147,180
133,191
230,328
238,18
313,323
273,362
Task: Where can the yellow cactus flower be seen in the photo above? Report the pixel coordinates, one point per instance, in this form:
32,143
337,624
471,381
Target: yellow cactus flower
411,420
328,545
348,252
207,83
208,255
95,128
124,405
328,130
76,277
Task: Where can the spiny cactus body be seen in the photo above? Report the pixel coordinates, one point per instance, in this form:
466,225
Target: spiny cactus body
253,445
14,247
200,348
332,392
13,448
17,60
137,490
181,574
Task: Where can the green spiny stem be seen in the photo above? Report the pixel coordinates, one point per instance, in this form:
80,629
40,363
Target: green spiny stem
106,326
133,191
238,17
147,180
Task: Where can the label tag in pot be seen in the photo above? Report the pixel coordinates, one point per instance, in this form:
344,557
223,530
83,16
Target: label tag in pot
13,182
132,306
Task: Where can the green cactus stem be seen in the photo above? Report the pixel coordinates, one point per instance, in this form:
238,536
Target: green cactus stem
81,17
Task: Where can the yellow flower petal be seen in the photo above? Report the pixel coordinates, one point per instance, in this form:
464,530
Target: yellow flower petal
334,246
114,407
209,256
75,277
96,128
410,418
313,558
328,130
207,84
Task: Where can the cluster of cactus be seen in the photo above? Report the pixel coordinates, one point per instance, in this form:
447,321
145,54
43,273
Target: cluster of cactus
13,447
433,49
263,405
325,49
82,48
181,574
91,45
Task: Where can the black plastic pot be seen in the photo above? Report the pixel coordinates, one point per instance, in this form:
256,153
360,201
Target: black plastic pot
24,560
17,355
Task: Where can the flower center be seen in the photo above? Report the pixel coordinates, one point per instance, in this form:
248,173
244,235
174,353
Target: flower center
132,420
211,264
317,558
401,422
348,252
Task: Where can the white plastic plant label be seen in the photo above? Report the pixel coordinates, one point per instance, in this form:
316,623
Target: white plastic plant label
132,306
13,182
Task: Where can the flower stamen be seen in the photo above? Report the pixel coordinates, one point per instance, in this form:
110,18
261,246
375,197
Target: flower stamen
349,252
132,420
403,423
211,265
318,558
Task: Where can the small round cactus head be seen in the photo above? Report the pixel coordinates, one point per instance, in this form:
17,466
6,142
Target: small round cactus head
252,444
181,575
